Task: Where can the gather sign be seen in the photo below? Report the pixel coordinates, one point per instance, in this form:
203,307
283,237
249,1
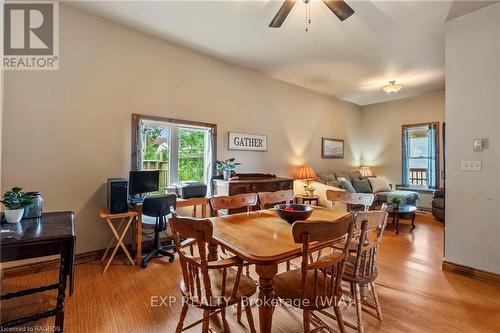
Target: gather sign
240,141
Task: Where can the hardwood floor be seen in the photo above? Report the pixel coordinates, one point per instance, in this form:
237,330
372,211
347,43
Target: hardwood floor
415,294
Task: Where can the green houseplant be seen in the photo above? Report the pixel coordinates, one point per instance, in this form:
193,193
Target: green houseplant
397,201
15,201
227,167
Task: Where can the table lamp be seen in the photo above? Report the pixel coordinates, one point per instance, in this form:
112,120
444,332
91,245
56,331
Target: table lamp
306,172
365,171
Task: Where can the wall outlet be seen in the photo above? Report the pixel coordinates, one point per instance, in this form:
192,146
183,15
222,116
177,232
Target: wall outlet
472,165
476,166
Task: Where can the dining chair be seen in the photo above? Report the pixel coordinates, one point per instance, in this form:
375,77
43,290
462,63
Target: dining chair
208,285
361,265
364,199
269,199
218,203
316,286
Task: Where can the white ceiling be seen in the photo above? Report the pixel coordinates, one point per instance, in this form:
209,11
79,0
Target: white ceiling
351,60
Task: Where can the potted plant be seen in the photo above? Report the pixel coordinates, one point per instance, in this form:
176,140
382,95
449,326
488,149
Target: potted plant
397,201
15,201
227,167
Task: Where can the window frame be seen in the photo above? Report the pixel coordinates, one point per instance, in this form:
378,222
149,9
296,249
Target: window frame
436,147
178,122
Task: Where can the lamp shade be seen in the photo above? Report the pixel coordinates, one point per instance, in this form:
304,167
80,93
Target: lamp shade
306,171
365,171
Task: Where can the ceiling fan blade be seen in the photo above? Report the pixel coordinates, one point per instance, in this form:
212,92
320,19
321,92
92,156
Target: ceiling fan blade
340,8
282,13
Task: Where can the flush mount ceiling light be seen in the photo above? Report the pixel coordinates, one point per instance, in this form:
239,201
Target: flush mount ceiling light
392,87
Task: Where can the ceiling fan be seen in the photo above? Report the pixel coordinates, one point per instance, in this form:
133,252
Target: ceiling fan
339,7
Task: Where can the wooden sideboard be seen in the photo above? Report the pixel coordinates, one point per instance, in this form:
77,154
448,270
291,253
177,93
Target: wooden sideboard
251,183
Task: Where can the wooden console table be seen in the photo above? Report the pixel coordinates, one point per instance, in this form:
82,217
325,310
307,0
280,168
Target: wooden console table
251,183
52,234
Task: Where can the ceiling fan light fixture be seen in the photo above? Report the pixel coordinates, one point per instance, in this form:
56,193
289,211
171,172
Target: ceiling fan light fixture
392,87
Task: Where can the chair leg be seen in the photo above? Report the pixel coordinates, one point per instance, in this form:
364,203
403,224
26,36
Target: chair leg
357,292
248,312
248,270
375,298
307,321
181,318
238,312
340,320
206,321
223,314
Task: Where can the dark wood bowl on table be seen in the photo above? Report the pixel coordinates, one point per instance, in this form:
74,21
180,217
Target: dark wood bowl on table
293,212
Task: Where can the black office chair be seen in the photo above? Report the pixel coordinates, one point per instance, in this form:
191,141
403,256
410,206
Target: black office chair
155,211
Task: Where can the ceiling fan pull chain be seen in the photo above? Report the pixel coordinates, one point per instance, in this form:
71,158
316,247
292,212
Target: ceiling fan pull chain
309,11
308,15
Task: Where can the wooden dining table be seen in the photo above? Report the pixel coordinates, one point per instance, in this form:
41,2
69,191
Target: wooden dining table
264,239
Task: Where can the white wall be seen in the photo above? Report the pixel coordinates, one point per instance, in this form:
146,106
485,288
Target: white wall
67,131
472,111
381,127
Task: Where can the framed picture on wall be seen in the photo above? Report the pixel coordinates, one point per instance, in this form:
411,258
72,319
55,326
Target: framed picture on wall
332,148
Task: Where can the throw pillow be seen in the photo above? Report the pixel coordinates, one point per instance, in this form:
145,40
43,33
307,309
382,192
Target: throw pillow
346,185
325,178
362,185
379,184
334,183
342,175
355,175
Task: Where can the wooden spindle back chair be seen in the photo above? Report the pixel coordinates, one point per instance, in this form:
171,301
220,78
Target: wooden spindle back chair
208,285
269,199
317,284
365,199
247,200
361,265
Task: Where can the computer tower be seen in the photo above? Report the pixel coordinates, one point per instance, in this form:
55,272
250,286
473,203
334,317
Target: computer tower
117,195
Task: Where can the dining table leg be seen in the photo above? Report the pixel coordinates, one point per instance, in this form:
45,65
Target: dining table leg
266,276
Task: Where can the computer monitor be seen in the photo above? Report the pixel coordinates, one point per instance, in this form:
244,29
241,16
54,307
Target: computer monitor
143,182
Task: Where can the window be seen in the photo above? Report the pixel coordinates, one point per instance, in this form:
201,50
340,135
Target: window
420,155
181,150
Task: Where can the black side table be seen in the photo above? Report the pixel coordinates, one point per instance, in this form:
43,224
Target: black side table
405,212
52,234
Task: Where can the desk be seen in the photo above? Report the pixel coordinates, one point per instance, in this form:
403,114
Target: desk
52,234
203,202
263,239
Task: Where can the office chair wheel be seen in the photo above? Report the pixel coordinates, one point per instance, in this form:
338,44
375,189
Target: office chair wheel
144,264
171,259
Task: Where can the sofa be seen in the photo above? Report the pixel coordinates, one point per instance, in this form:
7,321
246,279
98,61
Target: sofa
438,204
331,182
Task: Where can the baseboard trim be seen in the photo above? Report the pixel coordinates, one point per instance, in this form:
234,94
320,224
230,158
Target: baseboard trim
470,272
48,265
